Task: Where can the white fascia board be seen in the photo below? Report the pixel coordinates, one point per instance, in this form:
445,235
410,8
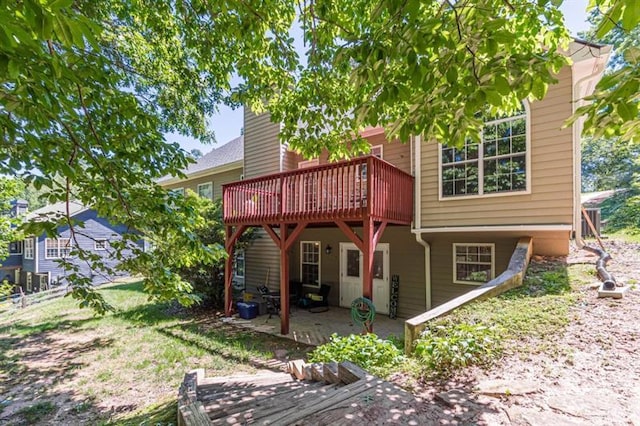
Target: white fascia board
493,228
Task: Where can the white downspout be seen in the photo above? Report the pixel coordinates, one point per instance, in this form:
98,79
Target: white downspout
417,221
427,268
578,101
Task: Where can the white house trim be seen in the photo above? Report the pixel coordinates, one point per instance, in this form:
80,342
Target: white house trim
493,228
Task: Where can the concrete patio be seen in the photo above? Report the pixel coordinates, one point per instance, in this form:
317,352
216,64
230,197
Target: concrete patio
316,328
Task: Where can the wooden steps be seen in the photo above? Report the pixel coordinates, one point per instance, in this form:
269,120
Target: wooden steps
309,394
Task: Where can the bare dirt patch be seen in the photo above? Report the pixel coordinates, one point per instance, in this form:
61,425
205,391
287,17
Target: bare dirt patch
589,374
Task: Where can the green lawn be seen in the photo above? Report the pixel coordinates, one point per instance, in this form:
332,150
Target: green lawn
62,364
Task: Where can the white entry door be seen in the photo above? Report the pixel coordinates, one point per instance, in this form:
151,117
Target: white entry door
351,276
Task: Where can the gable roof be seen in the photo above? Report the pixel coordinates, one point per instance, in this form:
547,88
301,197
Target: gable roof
55,210
229,153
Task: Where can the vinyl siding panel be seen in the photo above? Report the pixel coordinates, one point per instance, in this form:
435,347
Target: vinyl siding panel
406,259
218,180
262,258
261,145
550,200
12,260
442,287
394,152
94,228
290,160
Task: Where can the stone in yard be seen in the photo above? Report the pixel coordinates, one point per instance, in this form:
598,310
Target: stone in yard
546,418
507,387
453,397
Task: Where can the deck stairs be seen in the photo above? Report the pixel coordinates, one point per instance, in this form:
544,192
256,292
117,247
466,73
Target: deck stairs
309,394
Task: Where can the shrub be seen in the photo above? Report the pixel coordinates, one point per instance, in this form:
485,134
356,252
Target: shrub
375,355
626,217
444,348
207,280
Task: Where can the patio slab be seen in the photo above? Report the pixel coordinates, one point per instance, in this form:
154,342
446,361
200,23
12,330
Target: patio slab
316,328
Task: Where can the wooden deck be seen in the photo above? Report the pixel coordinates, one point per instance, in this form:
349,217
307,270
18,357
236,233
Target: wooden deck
364,192
308,395
348,190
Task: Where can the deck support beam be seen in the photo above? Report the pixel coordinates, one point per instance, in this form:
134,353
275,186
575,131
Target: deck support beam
372,232
230,238
284,280
284,241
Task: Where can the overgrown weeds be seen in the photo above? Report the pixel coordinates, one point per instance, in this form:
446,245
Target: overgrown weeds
524,319
380,357
446,347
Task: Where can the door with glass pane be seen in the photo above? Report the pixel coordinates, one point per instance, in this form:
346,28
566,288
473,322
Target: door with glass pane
351,276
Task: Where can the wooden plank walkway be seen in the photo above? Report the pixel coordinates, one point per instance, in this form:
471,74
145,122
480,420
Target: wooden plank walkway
328,394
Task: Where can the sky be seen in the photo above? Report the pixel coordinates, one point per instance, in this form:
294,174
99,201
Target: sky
227,123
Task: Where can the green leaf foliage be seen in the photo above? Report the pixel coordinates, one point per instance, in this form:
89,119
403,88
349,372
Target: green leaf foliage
445,348
375,355
613,109
89,89
608,163
9,190
206,278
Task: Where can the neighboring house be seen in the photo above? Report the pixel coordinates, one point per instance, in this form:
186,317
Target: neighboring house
438,220
33,263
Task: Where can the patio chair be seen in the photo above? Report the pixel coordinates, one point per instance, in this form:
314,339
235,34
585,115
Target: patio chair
317,302
271,299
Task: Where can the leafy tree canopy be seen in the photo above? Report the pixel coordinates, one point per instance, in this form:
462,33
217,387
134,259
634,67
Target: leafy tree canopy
88,89
608,161
614,107
9,190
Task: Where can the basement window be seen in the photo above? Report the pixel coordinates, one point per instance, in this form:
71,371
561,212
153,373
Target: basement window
473,263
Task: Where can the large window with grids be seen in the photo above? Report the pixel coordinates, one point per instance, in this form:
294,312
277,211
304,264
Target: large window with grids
496,165
473,263
29,248
55,248
310,262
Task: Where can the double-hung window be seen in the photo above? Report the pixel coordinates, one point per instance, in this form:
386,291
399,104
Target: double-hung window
55,248
496,165
310,262
205,190
473,263
29,248
238,268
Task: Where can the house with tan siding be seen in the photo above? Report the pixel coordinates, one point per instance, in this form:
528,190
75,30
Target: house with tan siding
437,221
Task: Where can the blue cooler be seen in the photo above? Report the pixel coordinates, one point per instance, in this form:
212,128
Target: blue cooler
247,310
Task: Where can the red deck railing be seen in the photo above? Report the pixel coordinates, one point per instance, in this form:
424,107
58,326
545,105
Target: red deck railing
348,190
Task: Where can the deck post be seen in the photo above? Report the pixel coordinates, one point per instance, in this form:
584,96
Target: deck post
284,280
368,246
230,238
228,271
367,257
